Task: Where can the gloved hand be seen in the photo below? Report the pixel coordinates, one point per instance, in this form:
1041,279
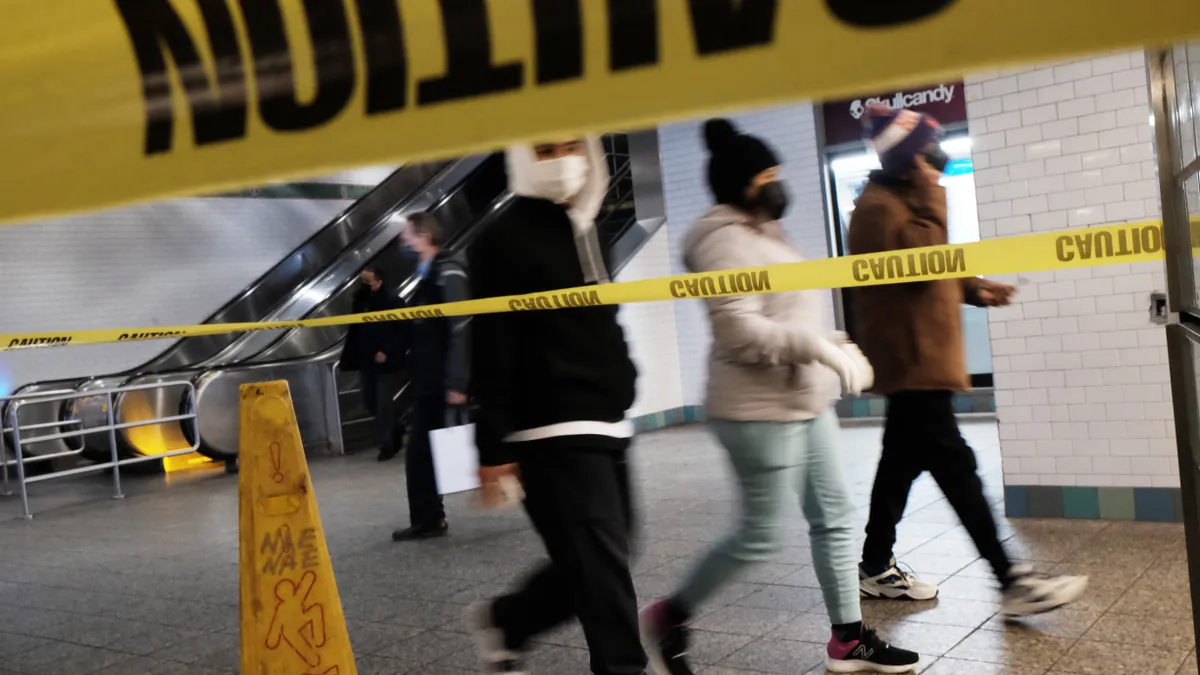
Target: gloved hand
865,371
838,359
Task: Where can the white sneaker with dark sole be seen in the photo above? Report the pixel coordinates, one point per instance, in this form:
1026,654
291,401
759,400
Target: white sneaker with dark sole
1032,593
895,584
489,640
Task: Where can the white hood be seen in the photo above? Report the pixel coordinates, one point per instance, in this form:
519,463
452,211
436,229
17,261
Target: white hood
583,207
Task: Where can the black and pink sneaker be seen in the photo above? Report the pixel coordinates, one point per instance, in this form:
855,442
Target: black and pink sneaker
665,640
868,654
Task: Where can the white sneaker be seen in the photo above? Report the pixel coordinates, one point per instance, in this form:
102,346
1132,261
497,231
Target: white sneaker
1032,593
489,639
895,584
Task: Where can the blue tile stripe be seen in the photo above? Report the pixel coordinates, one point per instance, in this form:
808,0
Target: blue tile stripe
1150,504
866,406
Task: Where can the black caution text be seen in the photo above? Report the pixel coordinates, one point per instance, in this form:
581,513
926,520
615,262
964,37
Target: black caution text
1104,244
731,283
909,266
47,341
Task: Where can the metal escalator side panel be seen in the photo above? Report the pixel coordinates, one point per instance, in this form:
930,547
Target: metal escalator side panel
141,405
92,413
307,299
314,398
646,193
35,413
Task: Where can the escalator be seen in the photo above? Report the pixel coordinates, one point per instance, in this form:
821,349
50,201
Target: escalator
307,357
464,187
254,303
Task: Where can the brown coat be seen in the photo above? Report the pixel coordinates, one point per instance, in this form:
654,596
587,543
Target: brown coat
912,333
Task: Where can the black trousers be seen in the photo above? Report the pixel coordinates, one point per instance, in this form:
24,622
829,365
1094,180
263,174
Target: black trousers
424,503
377,391
921,434
578,499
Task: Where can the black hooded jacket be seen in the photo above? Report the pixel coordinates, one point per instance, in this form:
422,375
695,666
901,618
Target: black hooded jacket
365,340
537,368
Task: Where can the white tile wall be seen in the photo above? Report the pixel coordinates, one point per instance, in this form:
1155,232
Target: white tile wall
1082,389
791,131
650,332
165,263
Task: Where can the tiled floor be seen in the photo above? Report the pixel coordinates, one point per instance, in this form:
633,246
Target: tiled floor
148,585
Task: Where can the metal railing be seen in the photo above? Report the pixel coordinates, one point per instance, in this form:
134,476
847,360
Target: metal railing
13,427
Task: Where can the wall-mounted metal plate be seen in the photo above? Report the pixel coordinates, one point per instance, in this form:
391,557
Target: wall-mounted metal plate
1158,308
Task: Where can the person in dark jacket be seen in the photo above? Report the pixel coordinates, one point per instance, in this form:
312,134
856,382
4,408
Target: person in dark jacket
912,334
438,368
552,389
376,351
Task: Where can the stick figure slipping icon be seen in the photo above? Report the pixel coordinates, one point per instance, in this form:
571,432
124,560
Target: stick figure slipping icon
298,622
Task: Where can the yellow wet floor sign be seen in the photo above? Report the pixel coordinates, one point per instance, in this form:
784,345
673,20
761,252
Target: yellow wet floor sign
292,620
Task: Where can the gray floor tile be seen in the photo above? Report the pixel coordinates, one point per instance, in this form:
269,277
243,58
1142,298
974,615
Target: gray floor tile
58,658
1159,631
751,621
1011,649
927,640
776,656
1105,658
948,666
15,643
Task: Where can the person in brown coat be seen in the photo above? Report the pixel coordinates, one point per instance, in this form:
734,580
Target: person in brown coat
912,335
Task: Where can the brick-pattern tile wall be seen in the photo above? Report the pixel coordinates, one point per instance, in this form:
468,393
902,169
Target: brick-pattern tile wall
164,263
791,131
1082,388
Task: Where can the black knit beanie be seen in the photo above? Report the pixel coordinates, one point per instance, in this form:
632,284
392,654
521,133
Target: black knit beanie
734,160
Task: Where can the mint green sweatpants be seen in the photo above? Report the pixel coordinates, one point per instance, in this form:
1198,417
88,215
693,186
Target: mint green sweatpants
776,462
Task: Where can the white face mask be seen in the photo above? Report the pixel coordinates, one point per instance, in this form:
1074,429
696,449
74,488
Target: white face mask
562,178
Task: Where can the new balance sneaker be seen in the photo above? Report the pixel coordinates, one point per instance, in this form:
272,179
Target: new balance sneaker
896,584
489,640
868,654
666,642
1031,593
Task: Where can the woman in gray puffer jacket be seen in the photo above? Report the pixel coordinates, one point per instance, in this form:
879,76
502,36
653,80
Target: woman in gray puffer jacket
771,384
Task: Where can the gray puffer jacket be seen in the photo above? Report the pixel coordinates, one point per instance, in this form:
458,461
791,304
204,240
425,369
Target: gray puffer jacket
762,363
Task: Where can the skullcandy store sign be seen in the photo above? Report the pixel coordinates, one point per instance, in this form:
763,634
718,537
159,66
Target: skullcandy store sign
946,102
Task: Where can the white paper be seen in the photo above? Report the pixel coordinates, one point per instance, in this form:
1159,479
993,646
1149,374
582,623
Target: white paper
455,460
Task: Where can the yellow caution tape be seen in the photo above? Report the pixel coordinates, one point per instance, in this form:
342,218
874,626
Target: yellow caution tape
111,101
1089,247
292,619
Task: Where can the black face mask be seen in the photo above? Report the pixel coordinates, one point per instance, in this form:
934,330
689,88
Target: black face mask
936,157
772,200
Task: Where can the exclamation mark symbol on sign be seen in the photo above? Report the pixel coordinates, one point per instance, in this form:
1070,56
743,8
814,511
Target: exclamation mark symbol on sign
277,461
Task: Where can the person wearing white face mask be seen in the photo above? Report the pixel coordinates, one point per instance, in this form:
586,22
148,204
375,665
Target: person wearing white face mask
552,390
